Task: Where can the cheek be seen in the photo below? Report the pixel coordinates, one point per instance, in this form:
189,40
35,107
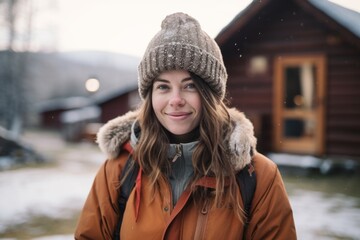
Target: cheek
196,103
157,104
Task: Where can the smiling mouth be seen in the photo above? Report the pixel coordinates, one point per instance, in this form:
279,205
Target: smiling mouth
178,115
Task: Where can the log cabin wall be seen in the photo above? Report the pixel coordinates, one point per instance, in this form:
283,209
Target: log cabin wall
284,28
119,104
114,108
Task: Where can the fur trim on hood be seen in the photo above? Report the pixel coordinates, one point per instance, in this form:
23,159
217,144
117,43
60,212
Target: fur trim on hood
242,142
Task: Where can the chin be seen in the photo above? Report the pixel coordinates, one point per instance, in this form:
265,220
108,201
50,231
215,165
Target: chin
178,131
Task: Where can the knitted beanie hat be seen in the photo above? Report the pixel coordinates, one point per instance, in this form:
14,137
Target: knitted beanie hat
182,44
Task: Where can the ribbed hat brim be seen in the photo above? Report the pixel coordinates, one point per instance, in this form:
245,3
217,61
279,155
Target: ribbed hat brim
188,57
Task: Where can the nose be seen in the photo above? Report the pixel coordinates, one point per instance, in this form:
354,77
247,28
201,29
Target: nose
176,99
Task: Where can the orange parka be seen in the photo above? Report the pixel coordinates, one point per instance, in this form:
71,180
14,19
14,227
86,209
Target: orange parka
153,216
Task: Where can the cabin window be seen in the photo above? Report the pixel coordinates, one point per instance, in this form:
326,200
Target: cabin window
258,65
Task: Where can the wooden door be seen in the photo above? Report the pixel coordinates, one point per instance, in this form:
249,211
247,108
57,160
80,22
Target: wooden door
299,104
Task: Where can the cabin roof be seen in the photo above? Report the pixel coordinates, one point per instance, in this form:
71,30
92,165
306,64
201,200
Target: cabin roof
109,95
347,18
63,103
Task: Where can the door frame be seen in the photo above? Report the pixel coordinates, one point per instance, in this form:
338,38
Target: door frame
315,145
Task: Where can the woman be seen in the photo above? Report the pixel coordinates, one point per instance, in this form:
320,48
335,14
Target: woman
189,146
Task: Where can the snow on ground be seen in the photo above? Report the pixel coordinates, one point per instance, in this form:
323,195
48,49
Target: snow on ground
322,217
54,191
57,237
50,192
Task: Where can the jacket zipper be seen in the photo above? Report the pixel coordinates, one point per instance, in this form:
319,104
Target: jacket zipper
177,153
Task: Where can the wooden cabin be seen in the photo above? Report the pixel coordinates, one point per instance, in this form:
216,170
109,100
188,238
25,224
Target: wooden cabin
80,118
50,111
117,102
294,69
112,104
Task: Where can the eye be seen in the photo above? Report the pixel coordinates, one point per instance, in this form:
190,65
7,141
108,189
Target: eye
161,86
190,86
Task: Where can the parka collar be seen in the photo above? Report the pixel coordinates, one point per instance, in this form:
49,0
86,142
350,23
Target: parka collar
241,142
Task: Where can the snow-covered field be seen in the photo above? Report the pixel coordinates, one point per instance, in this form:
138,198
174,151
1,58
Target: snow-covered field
318,216
57,191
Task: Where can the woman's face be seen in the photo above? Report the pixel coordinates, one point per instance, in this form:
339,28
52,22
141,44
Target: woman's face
176,101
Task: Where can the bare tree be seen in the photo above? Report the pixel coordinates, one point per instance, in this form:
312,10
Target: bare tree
12,67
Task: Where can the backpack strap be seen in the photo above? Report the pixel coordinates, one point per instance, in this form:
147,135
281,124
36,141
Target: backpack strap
246,179
128,175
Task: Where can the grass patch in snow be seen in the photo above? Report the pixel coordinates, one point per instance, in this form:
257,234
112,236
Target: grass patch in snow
39,226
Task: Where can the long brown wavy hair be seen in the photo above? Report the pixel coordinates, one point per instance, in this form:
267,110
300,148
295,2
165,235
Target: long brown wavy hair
211,154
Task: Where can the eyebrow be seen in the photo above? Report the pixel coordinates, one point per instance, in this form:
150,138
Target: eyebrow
167,81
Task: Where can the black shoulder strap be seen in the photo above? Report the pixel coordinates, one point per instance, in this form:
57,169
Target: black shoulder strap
247,180
129,172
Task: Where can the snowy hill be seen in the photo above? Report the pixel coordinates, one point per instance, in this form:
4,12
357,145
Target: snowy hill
55,75
97,58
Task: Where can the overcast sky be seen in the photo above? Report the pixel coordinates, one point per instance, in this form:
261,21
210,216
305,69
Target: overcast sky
126,26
